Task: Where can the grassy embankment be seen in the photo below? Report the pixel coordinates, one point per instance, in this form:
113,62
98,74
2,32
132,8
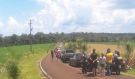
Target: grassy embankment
28,63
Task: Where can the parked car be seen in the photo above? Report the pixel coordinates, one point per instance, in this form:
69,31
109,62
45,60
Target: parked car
76,60
67,54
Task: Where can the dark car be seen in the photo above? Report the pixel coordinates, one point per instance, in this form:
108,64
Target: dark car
76,60
67,54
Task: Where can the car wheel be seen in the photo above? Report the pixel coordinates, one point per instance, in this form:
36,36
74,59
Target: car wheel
64,61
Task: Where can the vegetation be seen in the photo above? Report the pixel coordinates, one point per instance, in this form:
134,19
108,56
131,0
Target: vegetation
128,52
29,66
71,45
130,55
41,38
132,72
15,52
16,48
12,70
79,45
24,64
84,47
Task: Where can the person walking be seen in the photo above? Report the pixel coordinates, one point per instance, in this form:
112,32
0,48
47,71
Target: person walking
52,54
109,57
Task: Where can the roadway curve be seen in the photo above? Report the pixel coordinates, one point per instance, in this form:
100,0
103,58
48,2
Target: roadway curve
57,70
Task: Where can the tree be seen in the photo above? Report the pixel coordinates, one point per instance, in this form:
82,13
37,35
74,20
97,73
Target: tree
23,39
1,40
14,39
129,51
39,37
84,47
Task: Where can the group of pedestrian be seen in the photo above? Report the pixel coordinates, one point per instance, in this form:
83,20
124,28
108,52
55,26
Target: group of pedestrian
104,62
56,53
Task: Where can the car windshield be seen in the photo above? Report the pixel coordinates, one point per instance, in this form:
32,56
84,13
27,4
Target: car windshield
69,51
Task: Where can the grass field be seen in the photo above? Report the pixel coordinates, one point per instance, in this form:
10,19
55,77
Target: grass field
101,48
14,51
27,62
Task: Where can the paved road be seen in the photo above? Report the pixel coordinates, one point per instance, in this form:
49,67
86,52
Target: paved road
58,70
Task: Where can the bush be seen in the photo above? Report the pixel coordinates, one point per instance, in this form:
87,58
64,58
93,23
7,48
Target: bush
12,70
84,47
129,54
71,45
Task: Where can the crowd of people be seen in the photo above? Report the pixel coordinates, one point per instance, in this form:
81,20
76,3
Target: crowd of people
56,53
106,63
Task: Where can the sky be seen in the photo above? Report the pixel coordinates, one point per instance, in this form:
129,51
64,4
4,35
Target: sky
108,16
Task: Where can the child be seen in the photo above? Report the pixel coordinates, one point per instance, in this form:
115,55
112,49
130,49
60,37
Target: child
102,64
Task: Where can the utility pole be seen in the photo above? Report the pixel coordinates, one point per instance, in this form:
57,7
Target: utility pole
30,36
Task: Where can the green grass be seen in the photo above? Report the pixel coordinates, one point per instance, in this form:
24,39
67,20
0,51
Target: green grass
14,51
18,51
27,62
30,66
130,73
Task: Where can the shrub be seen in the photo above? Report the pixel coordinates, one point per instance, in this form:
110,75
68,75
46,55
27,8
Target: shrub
129,54
12,70
71,45
83,47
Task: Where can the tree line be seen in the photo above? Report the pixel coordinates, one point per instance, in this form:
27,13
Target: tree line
40,38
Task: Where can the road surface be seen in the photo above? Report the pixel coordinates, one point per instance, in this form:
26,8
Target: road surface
58,70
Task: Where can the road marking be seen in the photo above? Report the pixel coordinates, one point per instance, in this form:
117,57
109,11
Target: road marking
48,76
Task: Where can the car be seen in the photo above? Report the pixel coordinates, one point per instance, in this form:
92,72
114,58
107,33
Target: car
67,54
76,60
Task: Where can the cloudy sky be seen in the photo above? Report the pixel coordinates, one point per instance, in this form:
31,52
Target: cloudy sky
111,16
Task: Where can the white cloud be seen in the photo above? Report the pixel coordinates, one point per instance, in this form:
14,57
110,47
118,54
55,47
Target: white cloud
12,22
126,16
86,15
1,24
78,15
13,26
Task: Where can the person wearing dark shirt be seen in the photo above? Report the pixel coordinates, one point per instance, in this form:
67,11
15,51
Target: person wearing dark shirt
52,54
116,62
84,63
93,57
